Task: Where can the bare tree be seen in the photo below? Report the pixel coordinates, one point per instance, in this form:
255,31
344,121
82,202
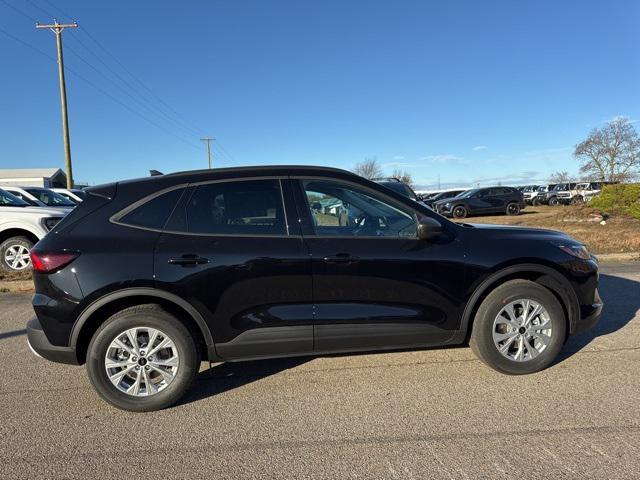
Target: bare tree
403,176
560,177
370,168
610,153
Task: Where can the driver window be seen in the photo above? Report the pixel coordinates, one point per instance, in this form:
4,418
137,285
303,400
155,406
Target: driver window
342,210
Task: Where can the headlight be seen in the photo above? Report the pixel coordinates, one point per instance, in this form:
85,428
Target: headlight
50,222
575,250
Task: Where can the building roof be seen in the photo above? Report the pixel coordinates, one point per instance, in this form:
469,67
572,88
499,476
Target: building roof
29,172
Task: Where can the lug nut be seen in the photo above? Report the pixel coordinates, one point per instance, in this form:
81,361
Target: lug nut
146,367
142,352
137,367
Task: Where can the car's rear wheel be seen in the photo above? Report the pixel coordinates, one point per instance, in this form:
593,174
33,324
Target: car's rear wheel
554,202
519,328
142,359
14,254
513,208
459,211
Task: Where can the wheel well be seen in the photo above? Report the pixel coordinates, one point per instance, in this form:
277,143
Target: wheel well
97,318
17,232
540,278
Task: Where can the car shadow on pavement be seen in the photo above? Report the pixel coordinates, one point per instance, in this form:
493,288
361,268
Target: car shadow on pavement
227,376
621,297
12,333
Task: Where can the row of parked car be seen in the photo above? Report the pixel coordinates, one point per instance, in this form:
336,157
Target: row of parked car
27,214
461,203
561,193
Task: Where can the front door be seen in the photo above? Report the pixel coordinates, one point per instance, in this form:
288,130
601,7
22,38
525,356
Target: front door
228,250
375,284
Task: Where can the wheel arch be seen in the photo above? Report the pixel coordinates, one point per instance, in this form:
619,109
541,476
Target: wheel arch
18,232
541,274
97,312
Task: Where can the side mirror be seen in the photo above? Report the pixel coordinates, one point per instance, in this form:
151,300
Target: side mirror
429,228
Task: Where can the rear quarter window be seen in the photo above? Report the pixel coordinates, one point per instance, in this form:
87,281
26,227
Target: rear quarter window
154,212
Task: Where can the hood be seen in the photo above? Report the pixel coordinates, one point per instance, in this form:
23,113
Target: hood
42,211
518,231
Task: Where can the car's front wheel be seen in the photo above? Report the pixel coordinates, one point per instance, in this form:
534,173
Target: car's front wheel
459,211
142,359
554,202
14,254
519,328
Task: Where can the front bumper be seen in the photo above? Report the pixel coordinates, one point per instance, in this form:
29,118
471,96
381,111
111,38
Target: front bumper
589,315
40,345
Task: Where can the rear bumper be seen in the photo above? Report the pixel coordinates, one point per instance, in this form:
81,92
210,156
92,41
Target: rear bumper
40,345
589,315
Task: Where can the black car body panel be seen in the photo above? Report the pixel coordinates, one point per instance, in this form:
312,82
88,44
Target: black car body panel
289,291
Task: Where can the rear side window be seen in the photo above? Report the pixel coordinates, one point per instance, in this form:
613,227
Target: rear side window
251,207
155,212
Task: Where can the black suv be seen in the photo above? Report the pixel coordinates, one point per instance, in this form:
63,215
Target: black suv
146,278
480,201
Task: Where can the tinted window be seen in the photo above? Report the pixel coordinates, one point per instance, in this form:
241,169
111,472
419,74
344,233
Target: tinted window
343,210
50,198
153,213
250,207
9,200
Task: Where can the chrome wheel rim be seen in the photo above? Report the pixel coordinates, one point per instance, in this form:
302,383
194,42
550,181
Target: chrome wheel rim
522,330
16,257
141,361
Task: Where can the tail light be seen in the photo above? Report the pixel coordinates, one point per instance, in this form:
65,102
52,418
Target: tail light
49,262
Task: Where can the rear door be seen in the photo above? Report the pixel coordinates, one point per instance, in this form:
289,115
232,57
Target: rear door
231,251
375,284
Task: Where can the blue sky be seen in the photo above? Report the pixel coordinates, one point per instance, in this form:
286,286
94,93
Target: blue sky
465,91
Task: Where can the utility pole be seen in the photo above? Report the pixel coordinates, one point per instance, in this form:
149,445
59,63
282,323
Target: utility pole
57,28
208,140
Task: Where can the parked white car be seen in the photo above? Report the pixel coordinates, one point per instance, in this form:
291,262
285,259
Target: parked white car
40,197
21,226
74,194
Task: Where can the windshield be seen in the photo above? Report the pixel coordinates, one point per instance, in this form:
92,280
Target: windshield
468,193
561,186
50,198
531,188
9,200
400,188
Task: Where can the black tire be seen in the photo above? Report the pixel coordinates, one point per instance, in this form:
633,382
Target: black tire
459,211
148,315
482,343
10,243
554,202
577,200
513,208
535,202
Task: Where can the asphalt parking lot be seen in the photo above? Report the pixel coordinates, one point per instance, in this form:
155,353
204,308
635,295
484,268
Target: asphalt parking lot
427,414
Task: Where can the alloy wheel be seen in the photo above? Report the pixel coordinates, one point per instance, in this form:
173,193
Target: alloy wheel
459,212
513,209
17,257
522,330
141,361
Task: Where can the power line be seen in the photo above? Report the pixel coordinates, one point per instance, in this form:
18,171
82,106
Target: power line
101,90
16,9
177,119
